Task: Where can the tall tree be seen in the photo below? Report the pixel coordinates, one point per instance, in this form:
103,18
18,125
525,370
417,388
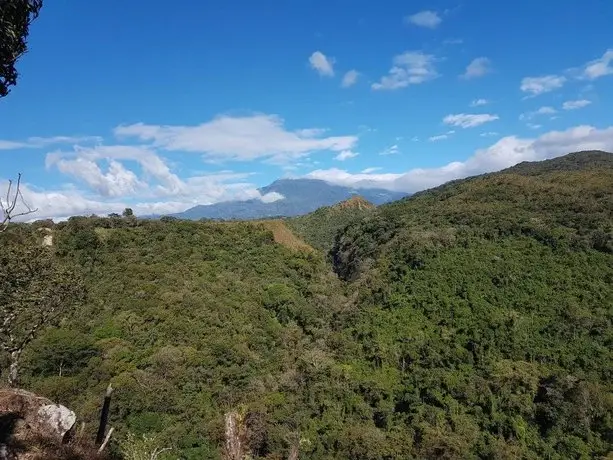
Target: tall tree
36,291
15,19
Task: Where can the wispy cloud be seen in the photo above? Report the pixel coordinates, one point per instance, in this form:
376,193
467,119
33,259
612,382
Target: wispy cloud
479,102
42,142
467,120
441,137
393,150
540,85
350,78
577,104
428,19
477,68
346,155
545,110
409,68
600,67
245,138
322,64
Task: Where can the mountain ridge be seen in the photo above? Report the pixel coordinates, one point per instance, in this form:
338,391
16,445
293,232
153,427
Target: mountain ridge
300,196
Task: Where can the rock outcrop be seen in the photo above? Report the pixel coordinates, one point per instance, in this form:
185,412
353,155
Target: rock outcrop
33,428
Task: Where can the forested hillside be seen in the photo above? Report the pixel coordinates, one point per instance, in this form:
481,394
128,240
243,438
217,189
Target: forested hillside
489,303
469,321
320,228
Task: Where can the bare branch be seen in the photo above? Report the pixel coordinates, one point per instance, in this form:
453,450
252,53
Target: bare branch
13,198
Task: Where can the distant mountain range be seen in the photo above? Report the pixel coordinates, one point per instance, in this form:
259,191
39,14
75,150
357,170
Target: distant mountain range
300,196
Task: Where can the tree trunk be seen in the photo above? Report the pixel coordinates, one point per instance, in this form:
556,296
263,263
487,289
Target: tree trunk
14,368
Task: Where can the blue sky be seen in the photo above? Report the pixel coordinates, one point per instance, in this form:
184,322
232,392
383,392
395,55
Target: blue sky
139,104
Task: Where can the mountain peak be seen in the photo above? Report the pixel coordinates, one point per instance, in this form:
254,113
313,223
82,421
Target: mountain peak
301,196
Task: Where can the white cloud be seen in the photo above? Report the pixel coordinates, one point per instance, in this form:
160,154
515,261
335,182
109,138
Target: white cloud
534,125
371,170
82,163
364,180
467,120
442,137
545,110
109,185
489,134
117,181
453,41
599,67
479,102
409,68
346,155
393,150
271,197
478,68
239,139
506,152
322,64
350,78
41,142
427,18
578,104
540,85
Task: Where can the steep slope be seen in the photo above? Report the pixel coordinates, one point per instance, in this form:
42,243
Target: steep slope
319,228
486,311
300,196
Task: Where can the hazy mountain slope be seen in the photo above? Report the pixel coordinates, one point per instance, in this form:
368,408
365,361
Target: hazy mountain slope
301,196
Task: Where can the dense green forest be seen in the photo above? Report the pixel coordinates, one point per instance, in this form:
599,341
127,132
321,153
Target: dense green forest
470,321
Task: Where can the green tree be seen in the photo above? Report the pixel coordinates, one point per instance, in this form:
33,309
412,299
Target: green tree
36,291
15,19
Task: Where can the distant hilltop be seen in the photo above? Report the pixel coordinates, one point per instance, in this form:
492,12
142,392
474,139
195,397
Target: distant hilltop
355,202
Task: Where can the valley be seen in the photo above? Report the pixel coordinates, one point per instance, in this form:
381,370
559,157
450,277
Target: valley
472,320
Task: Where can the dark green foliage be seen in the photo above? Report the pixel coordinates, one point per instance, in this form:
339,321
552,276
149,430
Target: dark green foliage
15,19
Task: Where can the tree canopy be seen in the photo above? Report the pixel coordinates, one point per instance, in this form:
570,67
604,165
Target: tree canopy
15,19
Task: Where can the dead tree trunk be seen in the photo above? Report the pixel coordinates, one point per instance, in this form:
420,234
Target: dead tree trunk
235,446
104,415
